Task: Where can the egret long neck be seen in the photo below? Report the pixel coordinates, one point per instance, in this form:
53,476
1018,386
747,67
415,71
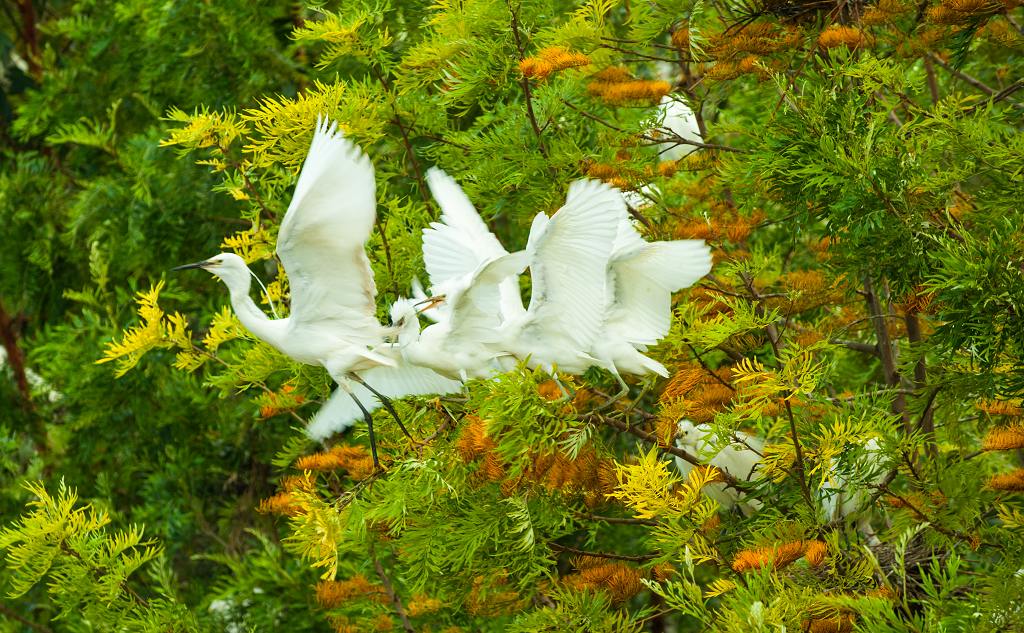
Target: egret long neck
251,316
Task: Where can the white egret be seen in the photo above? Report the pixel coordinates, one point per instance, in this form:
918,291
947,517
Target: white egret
642,276
842,498
739,459
674,117
567,256
321,244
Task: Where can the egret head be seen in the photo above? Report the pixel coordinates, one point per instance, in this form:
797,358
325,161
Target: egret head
230,268
687,433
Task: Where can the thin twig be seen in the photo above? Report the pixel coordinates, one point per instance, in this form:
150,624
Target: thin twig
29,623
525,83
580,552
396,601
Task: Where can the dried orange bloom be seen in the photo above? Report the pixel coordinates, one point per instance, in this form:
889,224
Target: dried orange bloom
681,38
841,623
332,593
963,11
302,483
838,35
753,39
473,440
814,552
549,390
1012,482
1004,439
882,592
602,171
682,382
550,60
342,624
778,556
621,581
637,90
663,571
884,11
383,623
749,65
711,524
282,503
338,457
999,407
422,604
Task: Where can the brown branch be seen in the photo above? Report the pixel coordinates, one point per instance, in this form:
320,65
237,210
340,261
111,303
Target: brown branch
10,325
525,83
885,350
616,520
10,613
580,552
396,601
977,83
30,34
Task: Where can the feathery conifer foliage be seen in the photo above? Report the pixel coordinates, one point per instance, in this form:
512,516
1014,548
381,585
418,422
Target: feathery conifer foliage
860,183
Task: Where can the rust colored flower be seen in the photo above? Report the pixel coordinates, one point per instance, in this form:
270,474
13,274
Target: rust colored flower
839,35
282,503
1011,482
551,60
1004,438
999,407
778,556
814,552
333,593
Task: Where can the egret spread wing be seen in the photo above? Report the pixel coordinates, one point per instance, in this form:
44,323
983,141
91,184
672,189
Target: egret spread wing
340,411
323,235
473,318
568,256
644,279
460,243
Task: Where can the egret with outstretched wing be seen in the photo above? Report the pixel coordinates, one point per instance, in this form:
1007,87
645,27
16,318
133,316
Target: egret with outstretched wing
321,244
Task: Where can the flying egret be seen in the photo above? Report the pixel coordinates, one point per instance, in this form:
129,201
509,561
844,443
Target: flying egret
478,280
842,498
642,276
567,255
739,459
321,244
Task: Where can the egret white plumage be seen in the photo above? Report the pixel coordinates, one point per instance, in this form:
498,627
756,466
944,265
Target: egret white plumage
567,255
739,459
642,276
321,244
675,118
842,498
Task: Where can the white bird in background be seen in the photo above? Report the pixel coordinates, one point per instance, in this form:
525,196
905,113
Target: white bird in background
841,498
321,244
739,459
642,276
674,117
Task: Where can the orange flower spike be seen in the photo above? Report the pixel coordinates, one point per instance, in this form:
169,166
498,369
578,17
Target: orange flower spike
551,60
999,407
778,557
1004,438
1010,482
282,503
815,552
333,593
838,35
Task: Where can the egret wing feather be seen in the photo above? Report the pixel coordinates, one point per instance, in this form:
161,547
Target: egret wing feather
644,280
322,236
568,256
473,315
460,243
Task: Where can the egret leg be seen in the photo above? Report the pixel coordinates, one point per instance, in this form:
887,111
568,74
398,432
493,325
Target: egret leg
566,396
623,391
386,402
369,427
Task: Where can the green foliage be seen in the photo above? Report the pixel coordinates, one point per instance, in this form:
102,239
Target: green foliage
860,186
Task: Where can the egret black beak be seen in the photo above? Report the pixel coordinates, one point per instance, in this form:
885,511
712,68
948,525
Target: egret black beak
187,266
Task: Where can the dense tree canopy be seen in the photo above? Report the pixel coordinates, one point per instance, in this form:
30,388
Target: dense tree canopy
860,181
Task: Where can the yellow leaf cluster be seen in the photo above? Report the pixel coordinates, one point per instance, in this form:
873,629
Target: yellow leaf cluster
156,331
653,491
251,245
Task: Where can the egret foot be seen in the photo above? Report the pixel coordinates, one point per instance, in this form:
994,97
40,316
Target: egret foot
369,427
386,402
